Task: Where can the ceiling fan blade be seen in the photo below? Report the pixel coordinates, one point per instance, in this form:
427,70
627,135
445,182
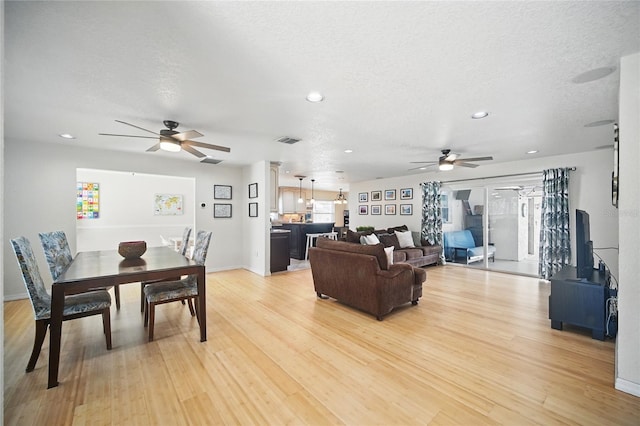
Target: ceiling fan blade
128,136
154,147
192,150
423,162
476,159
463,164
206,145
137,127
451,157
189,134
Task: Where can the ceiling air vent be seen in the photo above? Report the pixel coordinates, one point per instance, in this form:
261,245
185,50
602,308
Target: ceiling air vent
210,160
288,140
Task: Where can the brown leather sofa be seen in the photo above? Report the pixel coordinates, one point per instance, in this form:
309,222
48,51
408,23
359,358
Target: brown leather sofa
423,254
359,276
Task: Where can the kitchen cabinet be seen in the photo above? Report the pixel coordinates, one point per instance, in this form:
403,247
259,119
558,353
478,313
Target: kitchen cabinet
298,236
280,250
289,201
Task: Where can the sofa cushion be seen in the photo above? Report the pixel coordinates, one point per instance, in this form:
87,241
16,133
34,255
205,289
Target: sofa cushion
399,256
413,253
389,240
369,239
405,239
354,237
389,252
397,228
376,250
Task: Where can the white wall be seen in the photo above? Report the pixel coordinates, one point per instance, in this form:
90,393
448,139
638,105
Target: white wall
257,235
628,341
126,209
40,196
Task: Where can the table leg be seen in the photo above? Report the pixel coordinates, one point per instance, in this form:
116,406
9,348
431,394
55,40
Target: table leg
55,333
202,303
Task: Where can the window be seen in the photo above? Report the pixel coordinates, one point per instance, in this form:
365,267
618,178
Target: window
323,211
444,207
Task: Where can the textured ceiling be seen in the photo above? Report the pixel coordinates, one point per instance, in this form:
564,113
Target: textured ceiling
400,79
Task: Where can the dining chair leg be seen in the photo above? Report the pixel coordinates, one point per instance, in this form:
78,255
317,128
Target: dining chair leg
116,289
141,297
106,326
151,308
195,302
146,313
41,332
190,303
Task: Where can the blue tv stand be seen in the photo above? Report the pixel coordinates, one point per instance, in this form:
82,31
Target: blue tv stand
580,301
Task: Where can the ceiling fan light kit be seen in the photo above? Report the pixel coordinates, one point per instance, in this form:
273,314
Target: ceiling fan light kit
169,145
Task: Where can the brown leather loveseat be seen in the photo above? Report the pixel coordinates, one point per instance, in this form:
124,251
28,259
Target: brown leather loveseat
359,276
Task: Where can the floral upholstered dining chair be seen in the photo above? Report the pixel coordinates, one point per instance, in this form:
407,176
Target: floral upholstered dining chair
75,306
179,290
58,255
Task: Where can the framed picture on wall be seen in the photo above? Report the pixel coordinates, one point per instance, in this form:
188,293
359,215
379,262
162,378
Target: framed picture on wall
253,209
389,209
376,196
390,194
222,210
363,197
363,209
221,192
406,194
406,209
253,190
376,209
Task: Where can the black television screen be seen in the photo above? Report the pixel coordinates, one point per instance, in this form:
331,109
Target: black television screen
584,246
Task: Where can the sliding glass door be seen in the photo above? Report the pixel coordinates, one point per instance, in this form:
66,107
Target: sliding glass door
494,225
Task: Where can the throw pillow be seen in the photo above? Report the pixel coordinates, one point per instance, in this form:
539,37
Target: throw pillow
389,252
369,240
390,240
398,228
405,239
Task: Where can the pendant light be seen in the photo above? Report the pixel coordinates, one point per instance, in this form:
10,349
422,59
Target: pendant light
300,200
313,200
340,199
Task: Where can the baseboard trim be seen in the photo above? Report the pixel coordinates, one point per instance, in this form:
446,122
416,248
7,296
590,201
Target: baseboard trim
13,297
628,386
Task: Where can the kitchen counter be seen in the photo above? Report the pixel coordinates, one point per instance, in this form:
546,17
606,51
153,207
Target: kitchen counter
298,237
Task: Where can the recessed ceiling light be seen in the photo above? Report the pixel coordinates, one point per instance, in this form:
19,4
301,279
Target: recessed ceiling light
479,114
315,97
348,151
599,123
66,136
533,151
593,75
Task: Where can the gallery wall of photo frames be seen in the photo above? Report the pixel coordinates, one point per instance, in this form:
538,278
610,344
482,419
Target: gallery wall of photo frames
224,192
388,201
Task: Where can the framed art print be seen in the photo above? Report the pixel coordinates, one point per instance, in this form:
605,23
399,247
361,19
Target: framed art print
390,209
222,210
253,209
363,197
221,192
363,209
253,190
376,196
406,194
390,194
406,209
376,209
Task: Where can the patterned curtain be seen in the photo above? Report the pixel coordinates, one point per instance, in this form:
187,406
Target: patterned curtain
431,229
555,238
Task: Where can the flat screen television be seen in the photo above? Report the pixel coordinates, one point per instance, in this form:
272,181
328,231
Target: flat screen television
584,246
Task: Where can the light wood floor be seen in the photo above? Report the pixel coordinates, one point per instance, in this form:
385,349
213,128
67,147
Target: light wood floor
478,349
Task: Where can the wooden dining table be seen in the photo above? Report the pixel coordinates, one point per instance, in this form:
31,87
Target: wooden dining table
106,268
